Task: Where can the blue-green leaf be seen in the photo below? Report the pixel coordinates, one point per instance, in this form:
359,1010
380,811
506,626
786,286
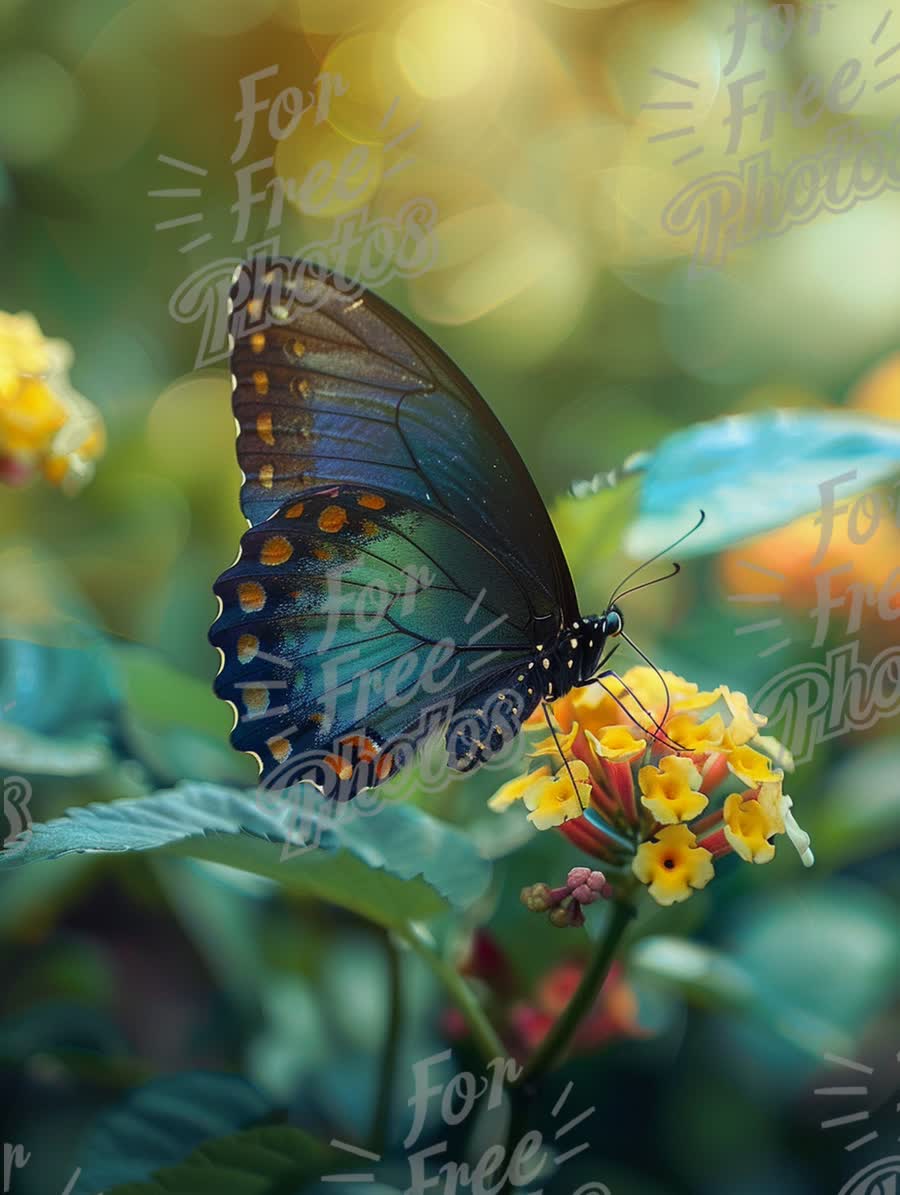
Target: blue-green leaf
753,472
394,865
160,1124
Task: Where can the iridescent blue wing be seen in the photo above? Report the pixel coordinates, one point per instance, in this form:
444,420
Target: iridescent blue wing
354,624
332,385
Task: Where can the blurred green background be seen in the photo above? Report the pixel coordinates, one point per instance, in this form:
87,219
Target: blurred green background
524,124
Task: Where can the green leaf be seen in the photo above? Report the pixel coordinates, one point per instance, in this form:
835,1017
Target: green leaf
859,814
395,865
699,973
165,697
161,1123
266,1161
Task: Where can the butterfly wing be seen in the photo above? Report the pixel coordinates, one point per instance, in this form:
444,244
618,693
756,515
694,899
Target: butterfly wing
332,385
355,623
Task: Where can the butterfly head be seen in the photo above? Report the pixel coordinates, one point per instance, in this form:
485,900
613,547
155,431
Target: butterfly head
611,622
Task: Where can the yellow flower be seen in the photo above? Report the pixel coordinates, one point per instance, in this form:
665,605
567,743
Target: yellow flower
698,737
745,724
673,865
748,828
692,702
515,790
44,423
554,746
750,766
617,743
593,707
555,800
670,790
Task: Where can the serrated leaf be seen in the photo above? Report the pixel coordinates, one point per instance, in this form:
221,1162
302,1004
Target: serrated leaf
266,1161
395,865
161,1123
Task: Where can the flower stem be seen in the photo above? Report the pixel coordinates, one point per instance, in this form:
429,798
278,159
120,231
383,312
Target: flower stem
487,1042
557,1041
381,1119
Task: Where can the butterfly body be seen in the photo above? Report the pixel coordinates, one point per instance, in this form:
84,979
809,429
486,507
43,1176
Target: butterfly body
400,575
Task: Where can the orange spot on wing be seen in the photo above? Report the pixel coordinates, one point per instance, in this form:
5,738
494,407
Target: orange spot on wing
256,699
341,767
298,348
264,427
251,596
369,528
295,511
302,386
322,553
275,550
280,749
247,647
254,308
261,381
372,501
360,747
332,518
266,476
258,342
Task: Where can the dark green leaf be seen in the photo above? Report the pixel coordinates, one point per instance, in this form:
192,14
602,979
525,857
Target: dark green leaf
160,1124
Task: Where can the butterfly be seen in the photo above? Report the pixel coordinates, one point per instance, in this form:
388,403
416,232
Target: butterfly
400,575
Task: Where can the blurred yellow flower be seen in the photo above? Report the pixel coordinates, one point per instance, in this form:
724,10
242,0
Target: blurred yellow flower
673,865
44,424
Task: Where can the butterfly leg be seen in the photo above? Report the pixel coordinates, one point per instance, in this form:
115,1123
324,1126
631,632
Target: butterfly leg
545,706
475,735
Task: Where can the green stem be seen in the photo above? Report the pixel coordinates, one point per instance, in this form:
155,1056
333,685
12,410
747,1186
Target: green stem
381,1119
486,1040
557,1041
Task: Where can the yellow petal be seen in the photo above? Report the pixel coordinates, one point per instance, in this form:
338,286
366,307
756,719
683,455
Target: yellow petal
670,790
748,828
694,736
555,800
554,746
750,766
515,790
617,743
673,865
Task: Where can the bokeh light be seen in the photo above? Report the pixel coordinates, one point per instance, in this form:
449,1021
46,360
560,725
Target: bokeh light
39,108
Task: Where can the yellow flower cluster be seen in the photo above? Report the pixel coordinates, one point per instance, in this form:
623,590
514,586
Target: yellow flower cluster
44,424
654,776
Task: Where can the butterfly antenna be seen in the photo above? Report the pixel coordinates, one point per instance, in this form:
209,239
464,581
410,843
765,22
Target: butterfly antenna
676,569
662,679
696,527
545,707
